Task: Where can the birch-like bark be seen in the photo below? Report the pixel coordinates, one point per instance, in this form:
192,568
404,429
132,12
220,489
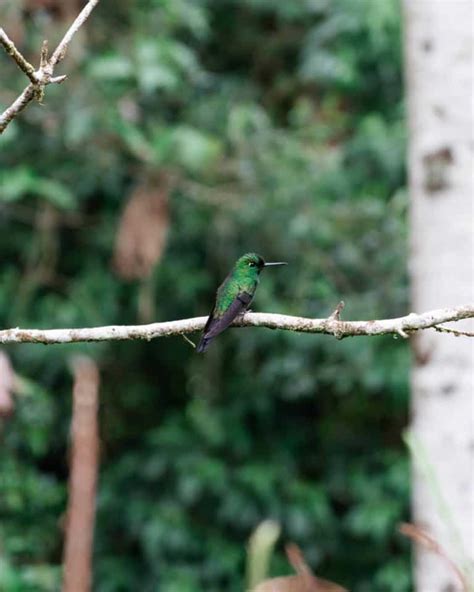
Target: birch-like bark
439,64
7,382
401,326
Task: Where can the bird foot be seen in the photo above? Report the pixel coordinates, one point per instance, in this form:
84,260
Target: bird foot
243,313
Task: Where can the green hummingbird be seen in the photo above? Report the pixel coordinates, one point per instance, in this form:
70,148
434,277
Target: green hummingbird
234,296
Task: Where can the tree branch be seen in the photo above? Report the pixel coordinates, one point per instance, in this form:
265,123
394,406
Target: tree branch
44,75
400,326
12,51
61,49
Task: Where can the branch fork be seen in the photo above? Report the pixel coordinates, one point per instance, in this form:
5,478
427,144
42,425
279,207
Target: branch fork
333,323
43,76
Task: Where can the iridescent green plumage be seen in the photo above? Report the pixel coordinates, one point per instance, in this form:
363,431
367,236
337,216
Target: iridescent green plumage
234,296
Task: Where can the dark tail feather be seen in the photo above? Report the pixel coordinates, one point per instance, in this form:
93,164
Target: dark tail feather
203,345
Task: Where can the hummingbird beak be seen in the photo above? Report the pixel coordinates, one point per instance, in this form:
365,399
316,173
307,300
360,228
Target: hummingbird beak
276,263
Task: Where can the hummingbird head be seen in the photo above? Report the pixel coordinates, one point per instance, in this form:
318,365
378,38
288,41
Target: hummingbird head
254,262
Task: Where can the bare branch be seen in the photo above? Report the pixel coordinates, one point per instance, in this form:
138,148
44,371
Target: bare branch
44,54
17,107
12,51
44,75
58,79
339,329
454,332
61,49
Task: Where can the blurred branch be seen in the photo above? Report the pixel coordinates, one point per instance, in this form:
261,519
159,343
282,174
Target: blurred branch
7,382
402,326
423,539
44,75
303,581
454,332
83,478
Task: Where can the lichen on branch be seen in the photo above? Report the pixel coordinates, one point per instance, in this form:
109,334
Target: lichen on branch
402,326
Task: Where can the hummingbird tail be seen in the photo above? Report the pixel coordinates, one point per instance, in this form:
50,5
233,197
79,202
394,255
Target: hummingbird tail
202,345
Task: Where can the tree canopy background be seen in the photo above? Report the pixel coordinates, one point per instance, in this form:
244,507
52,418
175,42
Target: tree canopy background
233,126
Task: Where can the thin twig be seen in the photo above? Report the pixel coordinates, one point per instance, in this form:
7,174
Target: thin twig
17,106
44,75
186,338
423,539
61,49
454,331
336,315
408,324
44,54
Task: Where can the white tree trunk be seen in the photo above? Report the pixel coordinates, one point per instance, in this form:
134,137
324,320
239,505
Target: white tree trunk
439,65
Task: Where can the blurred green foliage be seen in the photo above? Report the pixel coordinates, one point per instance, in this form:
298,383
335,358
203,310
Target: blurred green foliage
281,125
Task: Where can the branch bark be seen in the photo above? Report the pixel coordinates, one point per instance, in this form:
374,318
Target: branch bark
438,50
44,75
12,51
7,383
401,326
83,478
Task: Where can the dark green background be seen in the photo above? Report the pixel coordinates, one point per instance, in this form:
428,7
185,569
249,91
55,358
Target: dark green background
282,126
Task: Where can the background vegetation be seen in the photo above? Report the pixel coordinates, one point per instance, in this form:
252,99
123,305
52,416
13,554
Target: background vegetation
254,125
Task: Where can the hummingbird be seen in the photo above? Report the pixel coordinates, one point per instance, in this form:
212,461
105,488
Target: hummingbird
234,296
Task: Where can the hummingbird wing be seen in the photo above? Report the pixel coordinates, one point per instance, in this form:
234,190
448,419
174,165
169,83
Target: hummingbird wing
217,324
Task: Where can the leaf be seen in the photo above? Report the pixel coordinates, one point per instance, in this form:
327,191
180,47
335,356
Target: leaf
304,581
195,150
22,181
163,64
141,236
111,67
246,121
260,549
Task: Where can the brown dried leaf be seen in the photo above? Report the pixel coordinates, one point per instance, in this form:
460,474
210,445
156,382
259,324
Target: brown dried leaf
418,536
7,378
300,583
296,558
141,236
283,584
305,581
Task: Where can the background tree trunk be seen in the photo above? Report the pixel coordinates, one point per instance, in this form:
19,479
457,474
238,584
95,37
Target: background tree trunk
80,518
439,51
